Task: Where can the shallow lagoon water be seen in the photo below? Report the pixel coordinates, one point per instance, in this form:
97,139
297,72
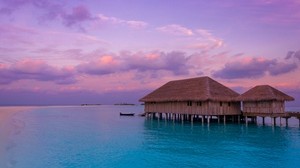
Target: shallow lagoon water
96,136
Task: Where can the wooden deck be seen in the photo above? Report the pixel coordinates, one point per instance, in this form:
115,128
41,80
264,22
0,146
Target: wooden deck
244,117
287,114
283,115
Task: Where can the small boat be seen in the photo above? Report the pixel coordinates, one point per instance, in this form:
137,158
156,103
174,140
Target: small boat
126,114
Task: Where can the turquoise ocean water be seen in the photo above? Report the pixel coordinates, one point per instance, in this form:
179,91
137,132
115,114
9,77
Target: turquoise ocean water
96,137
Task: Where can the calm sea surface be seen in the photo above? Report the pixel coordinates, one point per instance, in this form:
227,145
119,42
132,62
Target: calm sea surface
96,137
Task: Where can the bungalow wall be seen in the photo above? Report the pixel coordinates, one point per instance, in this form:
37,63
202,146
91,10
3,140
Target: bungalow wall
267,107
194,107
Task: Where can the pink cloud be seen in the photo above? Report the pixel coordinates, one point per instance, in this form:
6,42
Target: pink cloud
36,70
175,62
105,64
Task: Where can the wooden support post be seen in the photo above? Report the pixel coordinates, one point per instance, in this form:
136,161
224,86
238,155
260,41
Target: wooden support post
203,119
239,119
224,119
208,119
246,120
192,118
287,121
263,120
218,119
274,121
279,121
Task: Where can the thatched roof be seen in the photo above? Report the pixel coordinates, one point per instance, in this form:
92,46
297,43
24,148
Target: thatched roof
264,93
194,89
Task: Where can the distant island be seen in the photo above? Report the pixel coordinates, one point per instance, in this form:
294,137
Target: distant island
90,104
124,104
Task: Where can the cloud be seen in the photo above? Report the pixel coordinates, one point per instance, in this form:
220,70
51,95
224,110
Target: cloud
51,10
198,39
106,64
293,54
79,14
212,42
253,67
57,10
113,20
175,29
136,24
175,62
281,68
9,6
36,70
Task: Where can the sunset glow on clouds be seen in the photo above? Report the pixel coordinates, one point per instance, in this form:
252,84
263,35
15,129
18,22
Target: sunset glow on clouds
68,52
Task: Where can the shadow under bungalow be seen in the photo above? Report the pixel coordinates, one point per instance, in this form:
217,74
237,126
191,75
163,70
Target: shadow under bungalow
205,99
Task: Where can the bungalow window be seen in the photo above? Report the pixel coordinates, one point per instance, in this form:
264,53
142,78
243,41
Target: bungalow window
189,103
199,103
221,103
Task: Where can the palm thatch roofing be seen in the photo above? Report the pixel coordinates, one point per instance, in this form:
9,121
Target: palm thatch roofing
194,89
264,93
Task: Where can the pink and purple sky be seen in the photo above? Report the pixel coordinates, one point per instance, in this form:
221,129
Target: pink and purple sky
86,51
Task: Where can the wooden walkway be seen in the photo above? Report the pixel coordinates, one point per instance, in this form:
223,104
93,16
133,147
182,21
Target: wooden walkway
283,115
244,117
273,116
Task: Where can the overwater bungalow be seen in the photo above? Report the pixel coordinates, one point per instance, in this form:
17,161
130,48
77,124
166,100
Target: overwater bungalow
189,98
264,99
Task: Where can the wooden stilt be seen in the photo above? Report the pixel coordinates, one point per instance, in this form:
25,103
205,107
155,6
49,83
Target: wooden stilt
239,119
246,120
218,119
263,120
203,119
208,119
224,119
287,121
279,121
274,121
